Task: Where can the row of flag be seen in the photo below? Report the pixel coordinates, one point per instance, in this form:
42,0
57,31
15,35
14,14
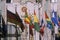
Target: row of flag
15,18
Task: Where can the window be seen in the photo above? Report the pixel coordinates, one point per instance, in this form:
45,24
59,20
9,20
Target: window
53,1
8,1
38,1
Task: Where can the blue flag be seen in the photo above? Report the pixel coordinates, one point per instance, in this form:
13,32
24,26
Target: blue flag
54,17
49,25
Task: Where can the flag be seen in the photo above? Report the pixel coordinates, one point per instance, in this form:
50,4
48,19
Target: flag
14,18
54,17
42,27
31,26
55,21
30,29
36,25
27,18
19,21
49,23
46,17
11,17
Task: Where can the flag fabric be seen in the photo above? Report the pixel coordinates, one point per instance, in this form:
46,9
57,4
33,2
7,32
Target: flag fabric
31,26
55,21
46,17
36,25
49,23
19,21
54,17
13,18
30,29
42,27
27,18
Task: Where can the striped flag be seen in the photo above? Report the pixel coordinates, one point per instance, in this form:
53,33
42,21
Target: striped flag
27,18
49,23
36,25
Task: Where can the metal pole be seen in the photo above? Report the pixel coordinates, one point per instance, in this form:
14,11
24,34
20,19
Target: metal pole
16,33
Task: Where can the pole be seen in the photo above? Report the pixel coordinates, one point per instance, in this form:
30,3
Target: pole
27,31
16,33
16,23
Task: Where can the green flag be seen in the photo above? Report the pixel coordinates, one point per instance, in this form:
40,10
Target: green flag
36,25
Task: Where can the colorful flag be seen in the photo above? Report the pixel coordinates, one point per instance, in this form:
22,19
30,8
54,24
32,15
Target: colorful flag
27,18
54,17
30,29
42,27
36,25
46,17
49,23
31,26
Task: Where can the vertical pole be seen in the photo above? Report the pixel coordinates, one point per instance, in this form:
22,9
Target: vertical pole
27,31
16,24
37,35
34,34
16,33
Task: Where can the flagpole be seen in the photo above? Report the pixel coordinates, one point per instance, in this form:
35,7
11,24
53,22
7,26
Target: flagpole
36,32
43,3
16,24
39,5
27,25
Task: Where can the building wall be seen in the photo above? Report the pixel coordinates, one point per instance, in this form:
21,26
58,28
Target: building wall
18,1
